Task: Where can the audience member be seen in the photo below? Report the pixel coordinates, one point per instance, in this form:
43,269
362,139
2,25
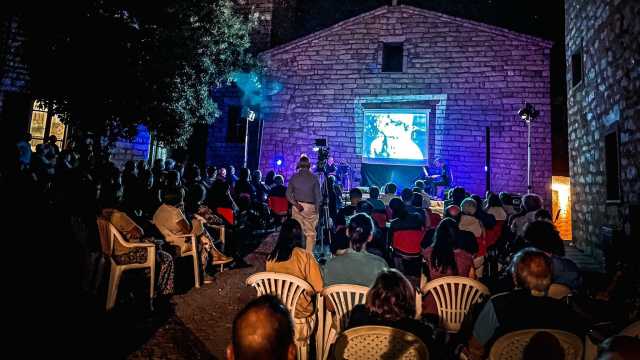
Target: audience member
494,207
170,219
543,236
389,193
263,329
355,265
391,302
526,307
243,185
468,221
133,233
374,199
531,203
543,345
289,257
259,186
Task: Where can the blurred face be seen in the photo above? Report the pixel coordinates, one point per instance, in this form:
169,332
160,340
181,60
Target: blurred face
222,172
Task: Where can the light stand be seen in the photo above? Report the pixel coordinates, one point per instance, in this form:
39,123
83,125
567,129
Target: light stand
250,117
528,113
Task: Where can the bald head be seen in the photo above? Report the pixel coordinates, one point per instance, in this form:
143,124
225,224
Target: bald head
262,330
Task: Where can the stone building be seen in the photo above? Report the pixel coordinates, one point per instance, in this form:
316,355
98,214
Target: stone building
471,76
603,83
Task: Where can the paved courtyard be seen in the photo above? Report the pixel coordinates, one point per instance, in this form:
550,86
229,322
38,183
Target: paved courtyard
200,328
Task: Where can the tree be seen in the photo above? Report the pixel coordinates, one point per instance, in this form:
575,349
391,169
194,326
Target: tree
106,66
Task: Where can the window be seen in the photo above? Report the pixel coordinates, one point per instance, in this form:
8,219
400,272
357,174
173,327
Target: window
235,124
43,124
392,57
612,164
576,68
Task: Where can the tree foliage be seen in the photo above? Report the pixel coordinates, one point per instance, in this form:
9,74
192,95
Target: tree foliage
106,66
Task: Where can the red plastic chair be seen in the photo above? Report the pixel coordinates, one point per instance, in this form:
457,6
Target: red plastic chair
492,235
381,219
279,205
434,219
407,242
227,214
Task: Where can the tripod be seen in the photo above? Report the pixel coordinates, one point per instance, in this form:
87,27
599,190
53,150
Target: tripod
324,221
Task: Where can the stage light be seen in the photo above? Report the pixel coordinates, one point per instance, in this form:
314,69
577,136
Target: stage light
278,160
316,149
528,112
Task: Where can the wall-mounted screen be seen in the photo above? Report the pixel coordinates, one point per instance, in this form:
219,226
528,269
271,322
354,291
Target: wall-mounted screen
395,136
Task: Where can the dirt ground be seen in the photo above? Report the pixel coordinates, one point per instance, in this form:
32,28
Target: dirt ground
201,325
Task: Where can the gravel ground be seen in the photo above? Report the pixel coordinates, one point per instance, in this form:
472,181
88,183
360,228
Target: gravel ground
201,325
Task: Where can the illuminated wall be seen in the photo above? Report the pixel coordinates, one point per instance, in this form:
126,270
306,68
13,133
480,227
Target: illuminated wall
485,73
561,205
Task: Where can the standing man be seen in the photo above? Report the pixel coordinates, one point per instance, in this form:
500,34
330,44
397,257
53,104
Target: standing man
303,192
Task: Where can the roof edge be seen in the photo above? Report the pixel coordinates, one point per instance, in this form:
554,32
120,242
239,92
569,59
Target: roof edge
383,9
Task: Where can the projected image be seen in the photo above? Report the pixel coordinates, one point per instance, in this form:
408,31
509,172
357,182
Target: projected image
395,136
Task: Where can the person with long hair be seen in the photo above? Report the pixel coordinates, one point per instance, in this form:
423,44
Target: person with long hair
356,265
289,257
391,302
444,258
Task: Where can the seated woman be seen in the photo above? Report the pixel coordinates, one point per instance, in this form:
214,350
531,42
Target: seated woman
444,258
356,265
289,257
391,301
131,232
170,218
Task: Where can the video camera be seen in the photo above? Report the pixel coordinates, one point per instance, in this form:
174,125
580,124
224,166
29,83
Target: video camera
323,154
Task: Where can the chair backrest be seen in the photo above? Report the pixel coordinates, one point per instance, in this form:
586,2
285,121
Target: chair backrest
227,214
380,219
109,234
511,345
453,296
379,342
408,241
285,287
278,204
343,298
492,235
106,237
558,291
632,330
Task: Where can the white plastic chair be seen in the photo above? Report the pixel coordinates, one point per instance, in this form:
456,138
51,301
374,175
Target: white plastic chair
558,291
342,298
288,289
182,242
379,342
109,235
453,296
511,346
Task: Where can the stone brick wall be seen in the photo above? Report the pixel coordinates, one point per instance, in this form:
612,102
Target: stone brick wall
135,149
220,152
484,73
606,100
14,77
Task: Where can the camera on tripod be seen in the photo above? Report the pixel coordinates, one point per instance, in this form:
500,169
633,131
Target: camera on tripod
323,154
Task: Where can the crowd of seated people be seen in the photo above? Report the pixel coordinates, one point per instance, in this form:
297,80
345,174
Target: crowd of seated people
471,231
372,235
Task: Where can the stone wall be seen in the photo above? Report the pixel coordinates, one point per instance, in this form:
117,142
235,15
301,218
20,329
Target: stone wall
14,77
485,73
606,100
